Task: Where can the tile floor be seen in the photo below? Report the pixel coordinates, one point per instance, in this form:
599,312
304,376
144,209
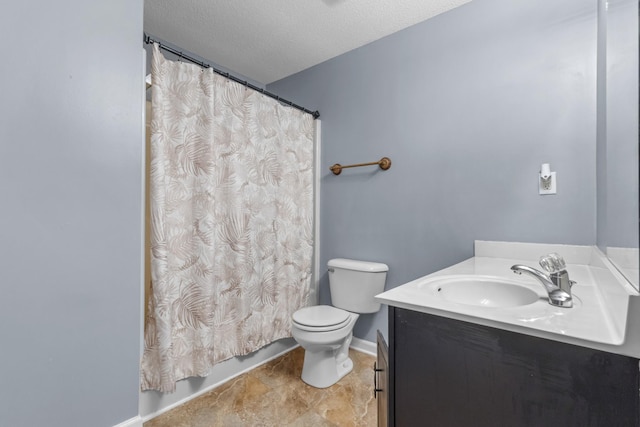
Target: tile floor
274,395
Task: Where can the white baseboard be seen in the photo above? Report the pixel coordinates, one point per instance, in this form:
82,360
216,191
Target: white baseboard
133,422
364,346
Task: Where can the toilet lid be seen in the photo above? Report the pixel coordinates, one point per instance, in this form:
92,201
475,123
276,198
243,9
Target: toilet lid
319,316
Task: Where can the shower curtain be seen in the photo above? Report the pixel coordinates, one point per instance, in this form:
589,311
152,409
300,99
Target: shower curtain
231,200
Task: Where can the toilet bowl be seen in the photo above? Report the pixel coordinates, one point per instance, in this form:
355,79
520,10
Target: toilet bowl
326,356
325,332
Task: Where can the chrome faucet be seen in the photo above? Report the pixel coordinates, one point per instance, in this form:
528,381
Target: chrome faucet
554,265
556,283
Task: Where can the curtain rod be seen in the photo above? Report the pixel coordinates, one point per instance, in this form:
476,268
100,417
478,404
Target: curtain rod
148,40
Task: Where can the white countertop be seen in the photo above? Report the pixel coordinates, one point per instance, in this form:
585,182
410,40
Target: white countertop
598,318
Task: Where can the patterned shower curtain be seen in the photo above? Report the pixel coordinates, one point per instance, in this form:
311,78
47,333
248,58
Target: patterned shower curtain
231,218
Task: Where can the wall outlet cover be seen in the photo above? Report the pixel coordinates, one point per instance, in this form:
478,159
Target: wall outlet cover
547,186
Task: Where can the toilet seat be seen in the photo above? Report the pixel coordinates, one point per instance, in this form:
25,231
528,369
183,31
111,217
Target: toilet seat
320,318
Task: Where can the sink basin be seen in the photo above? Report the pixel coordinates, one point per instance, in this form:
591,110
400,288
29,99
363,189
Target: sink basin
482,291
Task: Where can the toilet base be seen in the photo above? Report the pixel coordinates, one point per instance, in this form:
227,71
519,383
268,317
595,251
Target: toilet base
322,370
326,353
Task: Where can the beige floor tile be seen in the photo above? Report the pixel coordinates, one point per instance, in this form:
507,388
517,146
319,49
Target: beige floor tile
274,395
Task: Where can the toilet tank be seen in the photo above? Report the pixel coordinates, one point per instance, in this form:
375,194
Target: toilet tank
353,284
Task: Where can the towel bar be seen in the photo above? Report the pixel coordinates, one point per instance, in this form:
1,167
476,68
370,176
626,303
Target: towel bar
384,163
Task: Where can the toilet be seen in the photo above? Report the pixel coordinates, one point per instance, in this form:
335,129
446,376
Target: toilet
325,331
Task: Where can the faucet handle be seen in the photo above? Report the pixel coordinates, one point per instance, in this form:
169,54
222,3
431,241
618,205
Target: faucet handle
559,261
552,263
547,264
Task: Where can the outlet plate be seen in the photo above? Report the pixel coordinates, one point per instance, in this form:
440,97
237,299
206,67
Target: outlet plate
548,186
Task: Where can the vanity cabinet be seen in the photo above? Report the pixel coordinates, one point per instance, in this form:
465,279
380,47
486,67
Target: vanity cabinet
447,373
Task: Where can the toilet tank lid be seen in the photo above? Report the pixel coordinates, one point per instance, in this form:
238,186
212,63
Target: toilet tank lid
352,264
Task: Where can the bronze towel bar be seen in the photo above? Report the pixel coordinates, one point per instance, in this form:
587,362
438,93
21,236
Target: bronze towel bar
384,163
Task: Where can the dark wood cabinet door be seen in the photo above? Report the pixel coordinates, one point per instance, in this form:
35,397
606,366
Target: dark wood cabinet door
381,382
449,373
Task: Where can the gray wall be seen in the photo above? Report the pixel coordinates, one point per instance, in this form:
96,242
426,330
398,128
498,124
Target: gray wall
467,105
621,142
601,129
70,191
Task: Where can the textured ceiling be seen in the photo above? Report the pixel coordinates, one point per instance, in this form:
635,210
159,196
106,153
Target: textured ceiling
267,40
